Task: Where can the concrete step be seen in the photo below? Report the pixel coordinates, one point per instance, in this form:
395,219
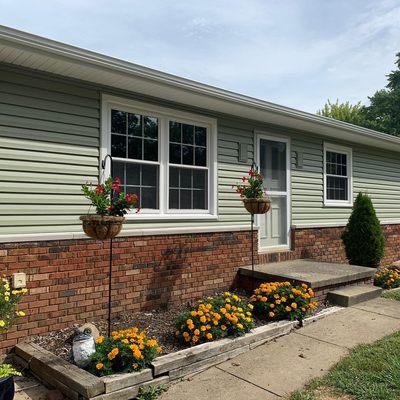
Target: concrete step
351,295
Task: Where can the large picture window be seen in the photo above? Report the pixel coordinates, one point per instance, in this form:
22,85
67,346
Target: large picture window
337,175
163,156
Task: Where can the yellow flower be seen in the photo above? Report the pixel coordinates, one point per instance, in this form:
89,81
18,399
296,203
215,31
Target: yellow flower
240,326
203,328
100,339
272,305
193,313
278,302
271,314
21,314
99,365
2,323
251,306
203,319
223,327
209,336
288,309
294,305
283,299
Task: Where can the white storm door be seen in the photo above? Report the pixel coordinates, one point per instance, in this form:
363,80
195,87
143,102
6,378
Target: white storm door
274,166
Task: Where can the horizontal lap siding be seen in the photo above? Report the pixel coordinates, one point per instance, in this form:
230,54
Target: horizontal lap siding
49,146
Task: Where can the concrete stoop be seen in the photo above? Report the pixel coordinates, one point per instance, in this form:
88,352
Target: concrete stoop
351,295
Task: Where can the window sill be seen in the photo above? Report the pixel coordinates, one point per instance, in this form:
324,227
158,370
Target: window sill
170,217
345,205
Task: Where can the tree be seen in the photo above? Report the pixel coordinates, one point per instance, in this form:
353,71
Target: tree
383,113
346,112
363,237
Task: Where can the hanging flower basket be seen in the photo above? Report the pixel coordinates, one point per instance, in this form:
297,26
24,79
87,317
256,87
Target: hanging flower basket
258,205
101,227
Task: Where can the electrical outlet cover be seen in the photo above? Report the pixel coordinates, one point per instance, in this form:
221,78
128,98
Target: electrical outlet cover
19,280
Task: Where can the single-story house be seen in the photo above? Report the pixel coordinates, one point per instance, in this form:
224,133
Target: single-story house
181,146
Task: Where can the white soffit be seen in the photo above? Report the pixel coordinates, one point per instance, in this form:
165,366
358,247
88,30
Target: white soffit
34,52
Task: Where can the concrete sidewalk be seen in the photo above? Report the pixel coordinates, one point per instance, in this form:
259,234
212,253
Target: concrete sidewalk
275,369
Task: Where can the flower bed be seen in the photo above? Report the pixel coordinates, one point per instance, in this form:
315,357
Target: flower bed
388,278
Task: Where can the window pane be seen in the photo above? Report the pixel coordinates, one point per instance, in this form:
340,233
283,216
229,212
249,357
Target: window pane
150,150
149,175
187,155
174,177
175,132
200,156
185,199
336,163
149,198
118,146
132,174
175,154
199,179
201,136
273,164
186,178
336,188
118,122
187,134
135,148
134,125
174,199
150,127
199,200
118,171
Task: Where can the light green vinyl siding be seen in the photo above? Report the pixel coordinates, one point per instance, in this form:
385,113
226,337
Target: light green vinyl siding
49,146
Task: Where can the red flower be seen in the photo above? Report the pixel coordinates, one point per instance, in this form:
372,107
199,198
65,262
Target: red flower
244,179
99,189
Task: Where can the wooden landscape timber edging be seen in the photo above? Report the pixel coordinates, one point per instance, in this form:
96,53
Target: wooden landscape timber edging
78,384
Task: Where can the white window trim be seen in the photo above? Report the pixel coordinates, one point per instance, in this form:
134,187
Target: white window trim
259,135
349,153
165,114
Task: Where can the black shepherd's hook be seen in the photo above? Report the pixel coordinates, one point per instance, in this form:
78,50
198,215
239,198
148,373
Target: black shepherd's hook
103,166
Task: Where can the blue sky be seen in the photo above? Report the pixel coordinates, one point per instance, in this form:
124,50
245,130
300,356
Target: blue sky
297,53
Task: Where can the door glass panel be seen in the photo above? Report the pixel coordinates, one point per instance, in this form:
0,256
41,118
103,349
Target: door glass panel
273,164
274,225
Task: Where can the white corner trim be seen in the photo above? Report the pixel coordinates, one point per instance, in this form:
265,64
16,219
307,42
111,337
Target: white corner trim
36,237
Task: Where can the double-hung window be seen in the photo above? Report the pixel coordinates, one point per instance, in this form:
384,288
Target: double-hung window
338,190
164,156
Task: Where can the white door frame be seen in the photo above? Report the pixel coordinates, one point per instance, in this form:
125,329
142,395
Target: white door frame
258,137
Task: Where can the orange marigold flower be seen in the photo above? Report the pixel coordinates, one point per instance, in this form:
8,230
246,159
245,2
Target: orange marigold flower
209,336
99,365
100,339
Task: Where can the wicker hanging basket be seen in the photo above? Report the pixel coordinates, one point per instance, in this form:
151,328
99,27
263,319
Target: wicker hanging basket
101,227
257,205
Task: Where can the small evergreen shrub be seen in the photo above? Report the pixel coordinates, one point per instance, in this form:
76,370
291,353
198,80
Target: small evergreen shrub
276,301
363,237
387,278
214,318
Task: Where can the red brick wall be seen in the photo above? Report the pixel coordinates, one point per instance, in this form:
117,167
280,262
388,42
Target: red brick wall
67,280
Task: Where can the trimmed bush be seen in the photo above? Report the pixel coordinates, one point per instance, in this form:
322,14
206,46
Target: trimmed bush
276,301
387,278
214,318
363,237
125,351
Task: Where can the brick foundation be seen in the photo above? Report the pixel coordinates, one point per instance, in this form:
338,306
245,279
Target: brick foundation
67,280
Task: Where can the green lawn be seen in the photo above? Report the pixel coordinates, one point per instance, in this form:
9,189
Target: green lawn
392,294
370,372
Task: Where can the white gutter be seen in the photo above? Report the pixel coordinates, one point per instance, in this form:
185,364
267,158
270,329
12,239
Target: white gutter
50,47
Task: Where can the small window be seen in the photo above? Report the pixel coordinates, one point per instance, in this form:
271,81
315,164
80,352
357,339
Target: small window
134,139
338,179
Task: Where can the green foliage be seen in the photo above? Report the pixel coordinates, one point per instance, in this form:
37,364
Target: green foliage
7,370
214,318
150,392
252,185
108,198
9,299
387,278
353,114
127,350
363,237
